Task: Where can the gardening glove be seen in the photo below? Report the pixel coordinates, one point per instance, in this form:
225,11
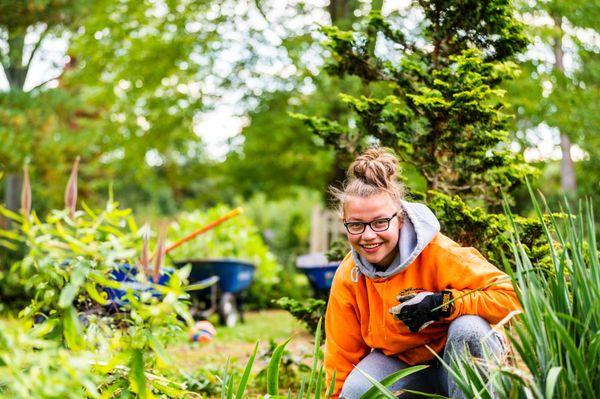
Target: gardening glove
418,311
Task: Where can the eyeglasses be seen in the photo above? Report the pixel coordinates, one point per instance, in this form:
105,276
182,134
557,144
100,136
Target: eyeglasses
377,225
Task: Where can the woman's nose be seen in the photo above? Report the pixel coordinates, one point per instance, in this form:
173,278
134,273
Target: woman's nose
368,233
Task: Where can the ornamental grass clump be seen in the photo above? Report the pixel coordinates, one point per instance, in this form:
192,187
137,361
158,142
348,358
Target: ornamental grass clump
556,340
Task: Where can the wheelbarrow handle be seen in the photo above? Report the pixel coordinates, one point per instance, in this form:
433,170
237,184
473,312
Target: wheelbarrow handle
204,229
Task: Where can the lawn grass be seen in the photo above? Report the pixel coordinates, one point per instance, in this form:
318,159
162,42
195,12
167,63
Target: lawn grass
264,325
237,343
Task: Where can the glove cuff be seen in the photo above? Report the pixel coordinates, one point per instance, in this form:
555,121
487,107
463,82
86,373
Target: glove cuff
444,303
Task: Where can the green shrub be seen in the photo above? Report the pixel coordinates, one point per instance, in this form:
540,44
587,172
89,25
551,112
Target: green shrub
308,311
490,232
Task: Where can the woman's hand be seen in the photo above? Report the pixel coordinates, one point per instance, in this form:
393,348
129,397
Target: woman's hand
418,311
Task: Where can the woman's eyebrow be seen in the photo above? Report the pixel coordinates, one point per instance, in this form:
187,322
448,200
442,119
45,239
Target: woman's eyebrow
361,220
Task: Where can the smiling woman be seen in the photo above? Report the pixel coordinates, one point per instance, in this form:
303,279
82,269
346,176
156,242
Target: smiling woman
405,288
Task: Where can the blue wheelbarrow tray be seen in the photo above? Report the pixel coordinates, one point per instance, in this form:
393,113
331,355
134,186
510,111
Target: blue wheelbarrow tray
234,275
125,274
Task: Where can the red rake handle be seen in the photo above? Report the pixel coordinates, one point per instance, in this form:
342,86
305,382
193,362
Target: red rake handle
204,229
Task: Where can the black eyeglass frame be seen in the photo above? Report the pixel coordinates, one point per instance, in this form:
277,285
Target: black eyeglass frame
365,224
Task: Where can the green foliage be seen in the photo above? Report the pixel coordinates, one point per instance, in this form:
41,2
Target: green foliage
291,368
63,275
34,367
553,92
490,232
308,311
442,108
338,250
237,238
555,339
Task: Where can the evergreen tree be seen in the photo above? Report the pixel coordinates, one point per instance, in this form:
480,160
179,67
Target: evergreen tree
433,94
441,108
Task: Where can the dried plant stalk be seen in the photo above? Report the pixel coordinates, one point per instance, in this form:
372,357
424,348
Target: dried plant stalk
145,255
71,190
159,255
26,192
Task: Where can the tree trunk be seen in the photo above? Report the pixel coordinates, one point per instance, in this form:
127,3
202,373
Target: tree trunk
16,73
12,194
568,182
567,168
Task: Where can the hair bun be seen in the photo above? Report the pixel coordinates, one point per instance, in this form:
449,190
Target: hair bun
376,167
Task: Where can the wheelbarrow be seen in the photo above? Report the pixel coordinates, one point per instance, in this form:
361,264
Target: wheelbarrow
319,271
225,297
236,275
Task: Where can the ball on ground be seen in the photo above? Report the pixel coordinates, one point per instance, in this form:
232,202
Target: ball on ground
202,331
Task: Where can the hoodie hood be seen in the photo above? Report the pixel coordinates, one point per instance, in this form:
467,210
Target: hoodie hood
419,228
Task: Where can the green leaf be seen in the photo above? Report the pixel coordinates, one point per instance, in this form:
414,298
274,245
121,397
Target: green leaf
316,349
382,389
389,380
159,349
72,329
67,295
273,369
93,292
242,387
137,379
551,381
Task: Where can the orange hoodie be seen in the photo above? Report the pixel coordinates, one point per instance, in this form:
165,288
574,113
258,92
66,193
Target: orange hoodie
358,318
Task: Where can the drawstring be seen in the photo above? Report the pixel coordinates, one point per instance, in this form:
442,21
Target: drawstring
355,274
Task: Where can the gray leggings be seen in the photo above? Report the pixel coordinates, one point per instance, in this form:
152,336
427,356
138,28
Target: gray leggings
465,331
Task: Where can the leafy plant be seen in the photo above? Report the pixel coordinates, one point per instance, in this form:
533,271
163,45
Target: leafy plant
338,250
65,274
555,339
290,369
309,311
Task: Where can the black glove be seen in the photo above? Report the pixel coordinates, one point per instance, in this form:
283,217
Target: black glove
418,311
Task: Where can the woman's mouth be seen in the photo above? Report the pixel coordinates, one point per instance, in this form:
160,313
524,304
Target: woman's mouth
371,248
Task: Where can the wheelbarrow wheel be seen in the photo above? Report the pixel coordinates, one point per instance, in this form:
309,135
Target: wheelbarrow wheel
228,312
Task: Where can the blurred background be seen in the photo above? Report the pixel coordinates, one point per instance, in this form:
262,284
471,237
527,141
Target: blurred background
178,106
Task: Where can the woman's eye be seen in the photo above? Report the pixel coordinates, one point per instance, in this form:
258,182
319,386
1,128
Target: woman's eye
355,225
379,223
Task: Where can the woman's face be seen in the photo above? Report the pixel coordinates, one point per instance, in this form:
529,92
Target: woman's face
378,248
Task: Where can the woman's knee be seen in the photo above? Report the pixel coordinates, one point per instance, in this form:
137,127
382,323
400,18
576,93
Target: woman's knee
376,365
474,332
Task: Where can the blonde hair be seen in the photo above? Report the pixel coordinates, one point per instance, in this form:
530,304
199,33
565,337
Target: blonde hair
372,172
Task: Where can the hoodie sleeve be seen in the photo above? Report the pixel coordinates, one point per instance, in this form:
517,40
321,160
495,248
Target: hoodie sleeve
478,287
344,345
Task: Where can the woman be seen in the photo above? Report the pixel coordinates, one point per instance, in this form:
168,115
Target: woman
405,287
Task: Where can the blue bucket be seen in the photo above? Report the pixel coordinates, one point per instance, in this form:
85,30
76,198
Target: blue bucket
320,276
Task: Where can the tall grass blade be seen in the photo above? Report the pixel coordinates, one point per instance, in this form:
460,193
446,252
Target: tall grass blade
551,381
382,389
242,387
331,385
302,386
388,381
318,385
316,350
273,369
